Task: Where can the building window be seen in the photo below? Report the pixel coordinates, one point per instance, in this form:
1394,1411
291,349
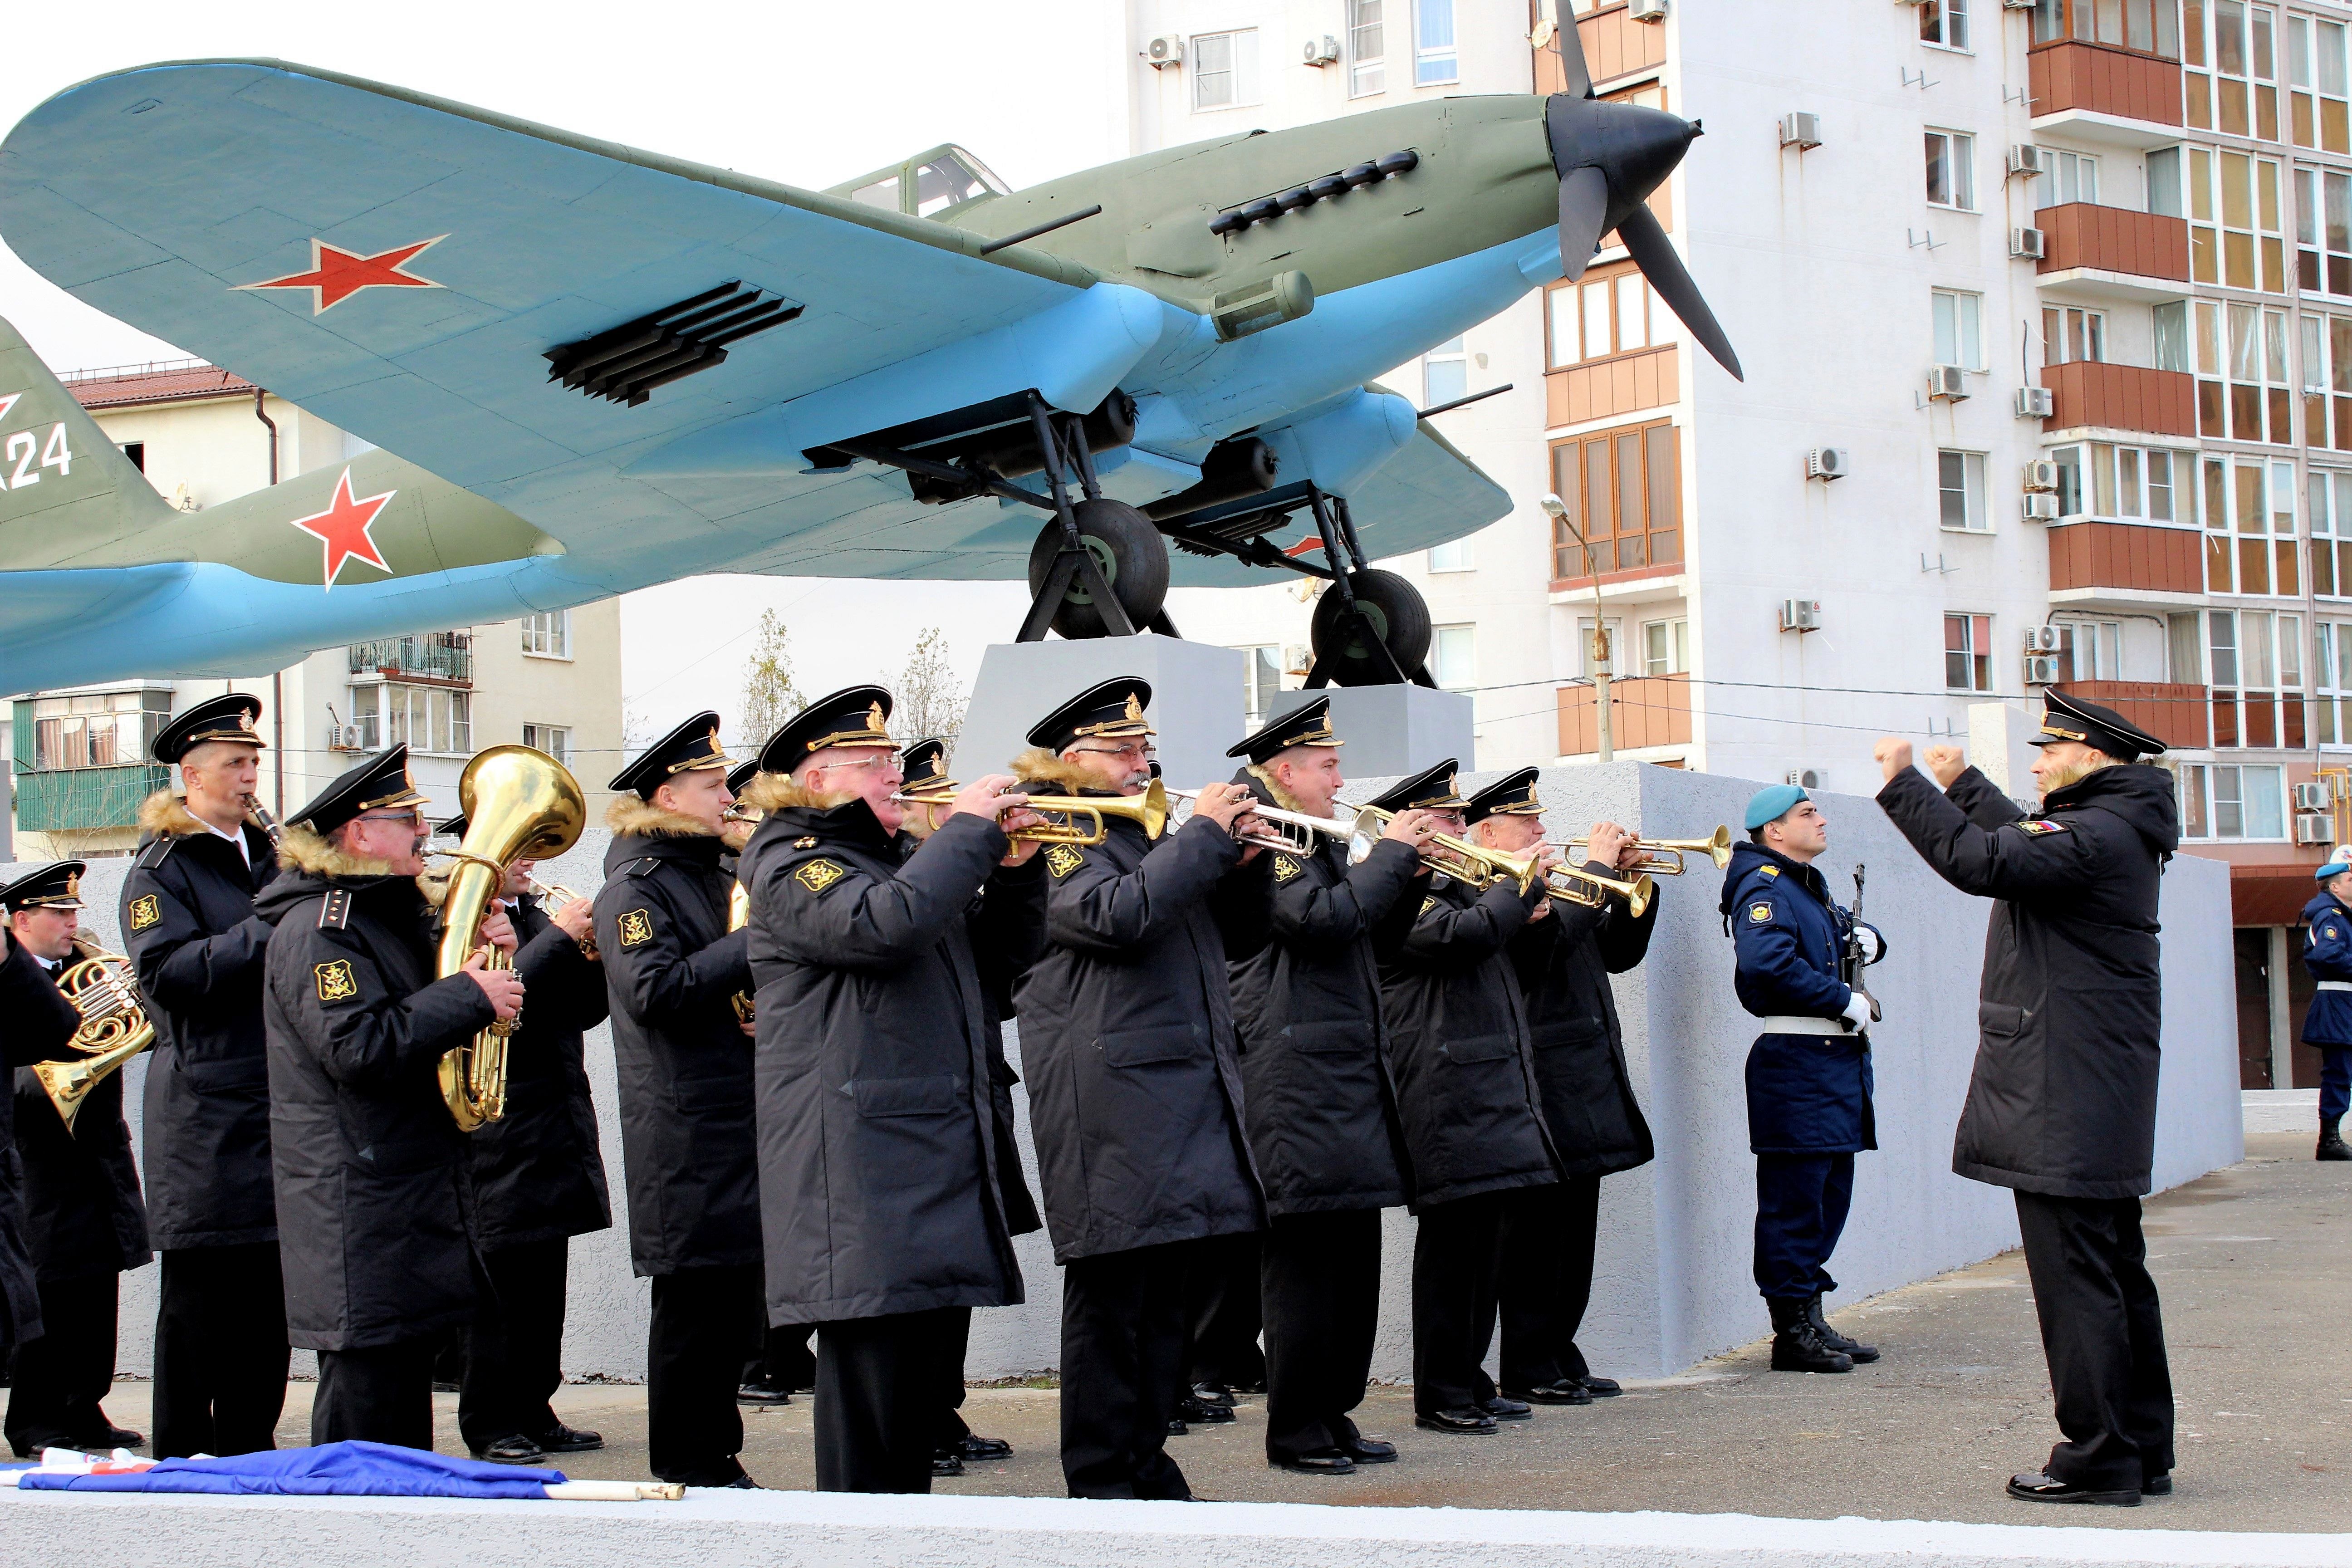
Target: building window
2070,333
1584,647
2315,62
1444,374
97,730
548,634
1453,659
1959,331
1951,170
1611,311
1665,646
2254,672
423,717
2236,237
136,453
2327,498
1261,679
1944,23
2250,543
2137,483
2097,650
2170,322
555,740
2327,379
2148,27
1366,72
2246,344
2322,231
1224,69
1622,490
1434,59
2072,177
2232,800
1961,492
1454,557
1968,653
2240,98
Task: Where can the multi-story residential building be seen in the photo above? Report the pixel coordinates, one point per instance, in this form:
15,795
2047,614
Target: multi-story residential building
2046,311
202,435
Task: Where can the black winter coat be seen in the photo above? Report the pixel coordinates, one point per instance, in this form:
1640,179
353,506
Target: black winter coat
189,928
879,1192
39,1023
538,1172
1007,934
82,1210
1458,1046
1126,1030
1563,964
2063,1099
671,970
371,1171
1315,1074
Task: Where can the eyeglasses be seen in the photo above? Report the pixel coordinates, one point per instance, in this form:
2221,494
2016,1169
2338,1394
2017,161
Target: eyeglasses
891,761
1129,753
414,818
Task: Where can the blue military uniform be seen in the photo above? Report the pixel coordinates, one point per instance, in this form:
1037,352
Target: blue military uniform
2328,954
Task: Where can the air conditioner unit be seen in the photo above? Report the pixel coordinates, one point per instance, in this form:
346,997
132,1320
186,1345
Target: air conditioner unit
2041,508
1651,11
2025,245
2314,827
2044,669
1800,131
2025,158
2311,797
1322,51
2050,639
2036,403
344,738
2040,474
2018,4
1800,615
1809,778
1166,50
1828,463
1946,382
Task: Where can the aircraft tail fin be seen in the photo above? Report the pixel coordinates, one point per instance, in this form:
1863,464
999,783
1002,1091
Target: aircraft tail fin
64,485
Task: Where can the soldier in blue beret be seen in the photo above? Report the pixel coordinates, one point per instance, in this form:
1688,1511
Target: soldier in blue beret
2327,1027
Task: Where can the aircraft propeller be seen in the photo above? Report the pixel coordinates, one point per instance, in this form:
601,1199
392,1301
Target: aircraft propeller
1609,156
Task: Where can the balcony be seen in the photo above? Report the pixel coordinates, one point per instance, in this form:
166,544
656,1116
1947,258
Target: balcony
2174,714
436,655
2100,94
2125,562
2095,254
2098,395
70,800
1645,711
1615,45
1607,388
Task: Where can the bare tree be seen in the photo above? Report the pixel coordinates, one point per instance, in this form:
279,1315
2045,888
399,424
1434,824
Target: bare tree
931,699
769,697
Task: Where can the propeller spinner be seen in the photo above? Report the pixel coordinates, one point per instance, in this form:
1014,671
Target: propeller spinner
1609,156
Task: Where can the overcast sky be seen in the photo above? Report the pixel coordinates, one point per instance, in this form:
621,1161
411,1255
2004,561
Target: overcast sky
808,94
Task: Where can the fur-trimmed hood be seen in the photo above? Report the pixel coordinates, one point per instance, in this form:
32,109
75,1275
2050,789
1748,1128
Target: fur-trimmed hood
166,815
303,850
632,817
1038,765
1281,798
781,792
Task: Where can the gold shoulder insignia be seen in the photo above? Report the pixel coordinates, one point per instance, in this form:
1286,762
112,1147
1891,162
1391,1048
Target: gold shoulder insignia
1759,912
1427,904
1770,870
144,911
336,982
2041,826
1061,859
818,875
1285,867
803,843
636,927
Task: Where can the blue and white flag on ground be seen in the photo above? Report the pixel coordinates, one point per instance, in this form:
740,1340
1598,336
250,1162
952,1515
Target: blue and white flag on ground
332,1469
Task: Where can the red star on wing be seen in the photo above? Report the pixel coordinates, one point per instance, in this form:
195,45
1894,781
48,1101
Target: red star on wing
343,528
337,274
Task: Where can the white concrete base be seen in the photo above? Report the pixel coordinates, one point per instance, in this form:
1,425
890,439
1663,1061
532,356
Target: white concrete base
816,1530
1196,700
2281,1110
1392,731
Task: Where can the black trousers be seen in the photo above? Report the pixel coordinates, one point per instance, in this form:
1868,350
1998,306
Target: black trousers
53,1400
786,1360
2103,1333
1456,1261
1222,1314
514,1348
1321,1278
955,1341
1122,1370
706,1322
1547,1280
881,1391
381,1394
1800,1207
220,1351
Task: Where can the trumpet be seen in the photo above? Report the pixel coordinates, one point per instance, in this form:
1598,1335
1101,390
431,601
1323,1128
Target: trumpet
930,797
114,1029
1295,833
1663,857
1483,867
553,896
1080,820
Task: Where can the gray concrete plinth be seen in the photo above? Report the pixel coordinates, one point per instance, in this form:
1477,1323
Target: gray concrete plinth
1392,731
1196,700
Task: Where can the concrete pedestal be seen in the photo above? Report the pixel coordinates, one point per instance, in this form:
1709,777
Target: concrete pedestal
2001,745
1196,700
1392,731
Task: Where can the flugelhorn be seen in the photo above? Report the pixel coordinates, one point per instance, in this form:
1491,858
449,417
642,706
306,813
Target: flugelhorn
104,990
1663,857
1067,817
520,805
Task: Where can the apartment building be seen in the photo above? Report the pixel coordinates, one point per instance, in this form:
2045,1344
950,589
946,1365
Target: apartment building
202,435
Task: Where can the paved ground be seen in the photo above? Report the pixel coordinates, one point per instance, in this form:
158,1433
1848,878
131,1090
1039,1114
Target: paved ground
2251,1261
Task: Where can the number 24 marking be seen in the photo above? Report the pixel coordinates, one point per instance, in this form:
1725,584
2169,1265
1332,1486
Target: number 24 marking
21,446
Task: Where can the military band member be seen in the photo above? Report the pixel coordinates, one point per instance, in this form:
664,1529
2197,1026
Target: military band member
2327,1027
189,928
41,1025
1563,965
1466,1096
1135,1095
370,1169
883,1213
683,1049
2061,1104
84,1222
1320,1108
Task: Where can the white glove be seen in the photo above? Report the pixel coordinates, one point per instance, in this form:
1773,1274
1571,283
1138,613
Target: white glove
1857,1010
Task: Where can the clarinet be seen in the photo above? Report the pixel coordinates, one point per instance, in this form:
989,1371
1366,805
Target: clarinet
258,814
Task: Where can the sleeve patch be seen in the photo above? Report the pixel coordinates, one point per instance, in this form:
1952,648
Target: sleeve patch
336,982
1759,913
636,927
1770,870
145,911
1061,859
818,875
2040,825
1285,867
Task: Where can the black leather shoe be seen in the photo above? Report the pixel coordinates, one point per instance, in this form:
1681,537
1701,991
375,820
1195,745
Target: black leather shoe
110,1438
2332,1146
1177,1428
2157,1485
1214,1393
763,1394
1601,1387
515,1449
742,1483
2033,1486
1368,1451
946,1462
562,1439
1200,1415
1322,1462
1852,1350
1503,1409
1567,1390
1469,1421
1797,1345
978,1449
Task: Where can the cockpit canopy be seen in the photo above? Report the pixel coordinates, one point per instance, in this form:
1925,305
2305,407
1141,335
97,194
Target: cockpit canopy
926,186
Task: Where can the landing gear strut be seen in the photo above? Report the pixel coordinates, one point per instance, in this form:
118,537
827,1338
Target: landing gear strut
1371,628
1100,567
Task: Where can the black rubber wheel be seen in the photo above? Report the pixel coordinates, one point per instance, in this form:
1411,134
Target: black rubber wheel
1397,613
1130,553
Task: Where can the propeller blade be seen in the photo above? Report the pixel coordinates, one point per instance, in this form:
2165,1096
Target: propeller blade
1584,208
1655,253
1570,45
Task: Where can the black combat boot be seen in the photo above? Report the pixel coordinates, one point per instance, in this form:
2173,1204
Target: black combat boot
1797,1345
1852,1350
2331,1142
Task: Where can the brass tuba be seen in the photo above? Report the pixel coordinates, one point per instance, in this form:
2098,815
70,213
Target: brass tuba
114,1027
520,804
